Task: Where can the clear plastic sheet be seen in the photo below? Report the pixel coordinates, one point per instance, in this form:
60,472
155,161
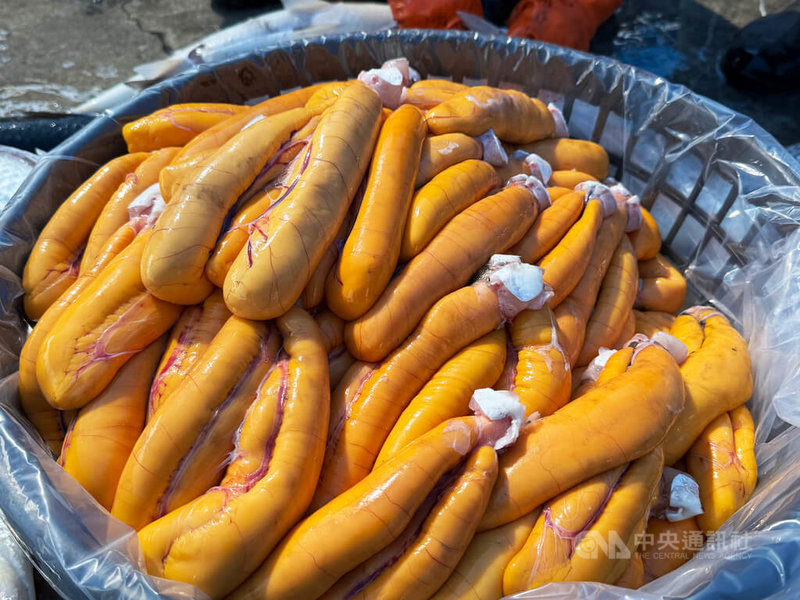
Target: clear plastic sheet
16,573
723,191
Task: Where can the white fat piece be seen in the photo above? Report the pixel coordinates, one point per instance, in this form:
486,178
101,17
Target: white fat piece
535,186
638,342
493,151
145,209
537,167
497,405
679,496
501,260
597,191
401,64
629,201
561,129
518,285
617,188
673,345
387,83
594,368
676,348
633,210
696,311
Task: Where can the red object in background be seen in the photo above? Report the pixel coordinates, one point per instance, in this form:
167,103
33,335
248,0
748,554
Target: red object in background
432,14
569,23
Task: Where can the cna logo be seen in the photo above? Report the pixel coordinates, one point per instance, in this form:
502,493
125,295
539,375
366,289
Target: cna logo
667,545
595,544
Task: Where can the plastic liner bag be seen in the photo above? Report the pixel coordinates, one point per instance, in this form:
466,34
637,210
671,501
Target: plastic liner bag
724,193
16,577
14,167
